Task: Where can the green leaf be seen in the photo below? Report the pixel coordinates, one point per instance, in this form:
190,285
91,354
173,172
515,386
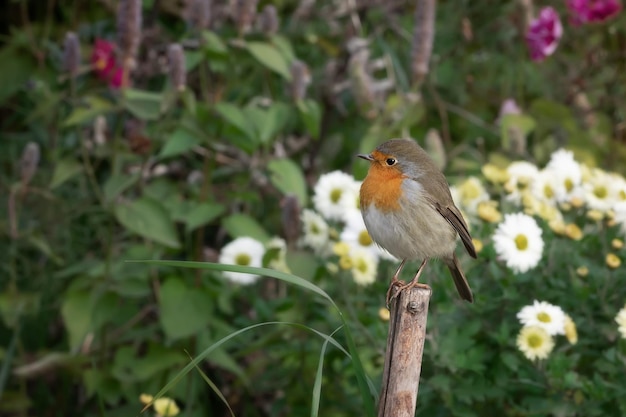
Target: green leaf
311,115
144,105
179,142
148,219
76,311
117,184
93,106
268,55
239,225
64,170
203,214
284,46
212,43
183,310
236,117
268,121
287,176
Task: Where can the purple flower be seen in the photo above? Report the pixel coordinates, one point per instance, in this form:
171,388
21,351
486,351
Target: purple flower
543,34
590,11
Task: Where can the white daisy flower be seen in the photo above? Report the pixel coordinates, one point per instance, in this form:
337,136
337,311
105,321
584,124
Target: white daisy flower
244,251
351,201
521,176
545,315
334,193
620,319
545,187
315,231
518,242
469,194
601,191
355,234
364,266
568,175
534,342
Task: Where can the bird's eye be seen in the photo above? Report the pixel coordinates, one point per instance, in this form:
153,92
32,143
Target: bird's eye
390,161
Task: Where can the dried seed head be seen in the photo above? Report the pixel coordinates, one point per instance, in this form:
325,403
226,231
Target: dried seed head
290,218
178,74
434,147
100,130
29,162
243,13
300,80
268,20
129,31
423,36
71,54
198,13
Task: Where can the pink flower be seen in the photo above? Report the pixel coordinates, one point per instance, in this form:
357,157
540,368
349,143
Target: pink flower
543,34
105,64
590,11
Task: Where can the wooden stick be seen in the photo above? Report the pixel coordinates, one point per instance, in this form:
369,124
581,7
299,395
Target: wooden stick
405,346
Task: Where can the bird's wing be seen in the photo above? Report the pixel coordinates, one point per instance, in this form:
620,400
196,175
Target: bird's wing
454,217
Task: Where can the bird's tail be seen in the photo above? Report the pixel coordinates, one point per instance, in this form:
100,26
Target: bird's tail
462,286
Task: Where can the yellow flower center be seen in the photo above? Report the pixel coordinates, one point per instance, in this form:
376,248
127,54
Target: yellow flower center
361,265
364,238
243,259
548,191
569,185
535,341
471,192
600,192
314,229
622,194
521,241
335,195
544,317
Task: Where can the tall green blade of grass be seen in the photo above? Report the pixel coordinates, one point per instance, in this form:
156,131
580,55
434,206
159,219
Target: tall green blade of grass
366,387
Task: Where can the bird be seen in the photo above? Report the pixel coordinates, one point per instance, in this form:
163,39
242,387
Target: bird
408,210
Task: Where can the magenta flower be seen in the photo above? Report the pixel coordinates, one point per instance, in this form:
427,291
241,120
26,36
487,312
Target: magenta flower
592,11
543,34
105,64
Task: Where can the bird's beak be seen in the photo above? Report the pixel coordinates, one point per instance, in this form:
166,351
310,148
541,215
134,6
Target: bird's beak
366,156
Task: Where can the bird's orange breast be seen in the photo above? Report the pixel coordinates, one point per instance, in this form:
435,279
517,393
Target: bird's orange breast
382,187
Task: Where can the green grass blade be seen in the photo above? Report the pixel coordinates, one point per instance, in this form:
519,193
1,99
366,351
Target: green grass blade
283,276
214,387
366,388
317,385
206,352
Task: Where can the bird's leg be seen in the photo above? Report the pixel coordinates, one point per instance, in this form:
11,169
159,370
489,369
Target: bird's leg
413,283
395,282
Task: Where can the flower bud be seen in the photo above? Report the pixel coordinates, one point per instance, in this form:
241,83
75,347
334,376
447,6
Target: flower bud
269,20
290,218
198,13
129,31
178,74
243,13
300,80
29,162
71,54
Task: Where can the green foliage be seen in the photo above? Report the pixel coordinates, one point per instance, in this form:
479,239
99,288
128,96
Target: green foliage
147,171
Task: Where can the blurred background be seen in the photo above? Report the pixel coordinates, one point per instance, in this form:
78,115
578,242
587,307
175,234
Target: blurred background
226,132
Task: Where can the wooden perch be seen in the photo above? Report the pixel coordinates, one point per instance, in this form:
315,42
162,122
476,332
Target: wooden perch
403,359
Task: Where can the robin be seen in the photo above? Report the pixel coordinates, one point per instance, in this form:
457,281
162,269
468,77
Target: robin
408,210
